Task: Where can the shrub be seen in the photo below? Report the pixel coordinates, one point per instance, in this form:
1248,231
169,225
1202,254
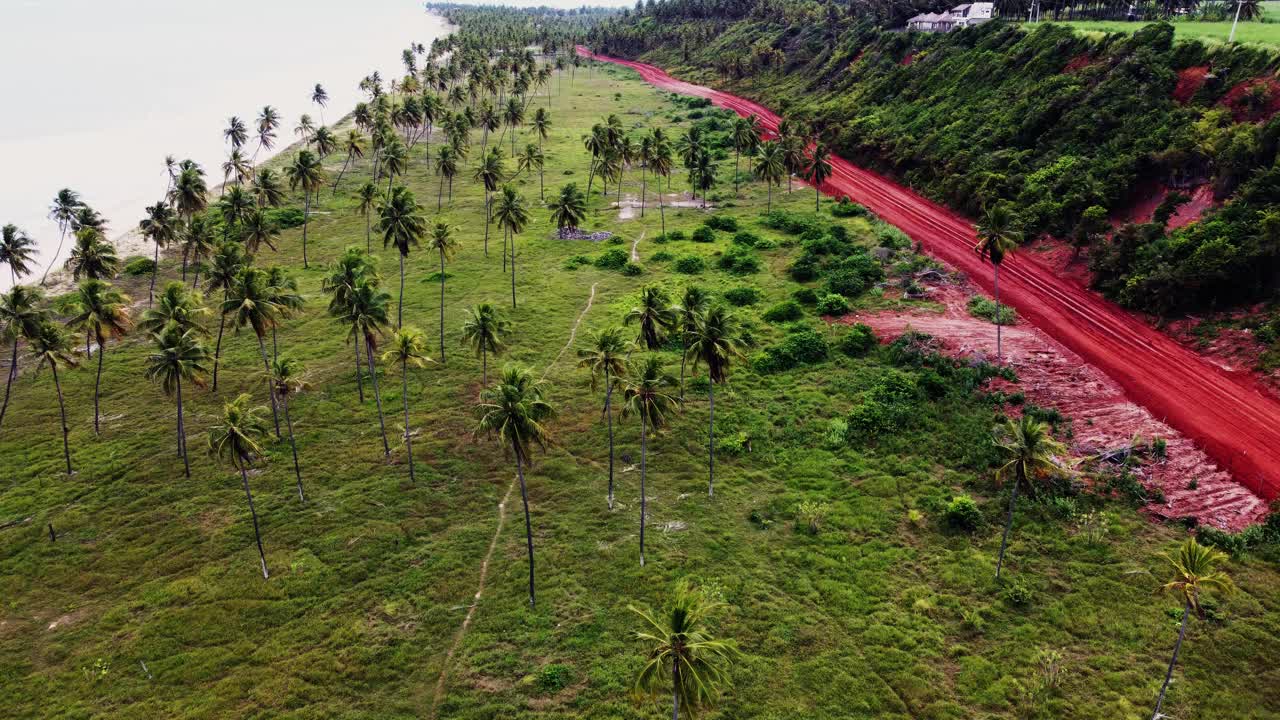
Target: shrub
746,238
662,256
765,244
837,434
805,296
985,308
963,514
809,515
632,269
832,304
576,262
673,236
805,268
845,208
742,296
285,218
726,223
888,236
888,406
1017,593
785,311
739,261
800,347
137,265
854,275
704,234
613,259
616,240
690,265
858,341
553,678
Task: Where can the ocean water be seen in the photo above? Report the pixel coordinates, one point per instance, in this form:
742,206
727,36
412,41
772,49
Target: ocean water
95,93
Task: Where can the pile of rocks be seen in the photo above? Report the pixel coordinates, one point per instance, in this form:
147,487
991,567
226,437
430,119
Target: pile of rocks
576,234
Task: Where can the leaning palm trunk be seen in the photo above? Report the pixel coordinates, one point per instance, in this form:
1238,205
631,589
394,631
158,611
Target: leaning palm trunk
643,188
528,526
1008,524
293,446
377,396
97,385
711,440
608,412
266,364
513,271
644,450
996,272
684,357
306,222
182,435
1168,676
400,301
217,348
675,688
8,384
62,409
487,219
61,239
408,436
441,307
257,534
662,213
484,366
368,233
359,377
155,268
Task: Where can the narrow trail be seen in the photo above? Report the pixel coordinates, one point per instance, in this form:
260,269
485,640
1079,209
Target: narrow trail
635,256
1229,415
497,533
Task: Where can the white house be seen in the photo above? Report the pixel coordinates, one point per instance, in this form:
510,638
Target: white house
960,16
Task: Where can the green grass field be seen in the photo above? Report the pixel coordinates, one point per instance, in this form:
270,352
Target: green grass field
1266,32
884,614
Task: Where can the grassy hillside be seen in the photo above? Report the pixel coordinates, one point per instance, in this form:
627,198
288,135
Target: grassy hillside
1266,32
887,612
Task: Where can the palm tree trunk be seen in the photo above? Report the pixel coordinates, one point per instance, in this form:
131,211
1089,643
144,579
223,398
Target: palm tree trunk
769,206
404,397
182,434
1008,524
257,534
97,386
644,449
644,186
737,167
340,173
217,348
275,347
486,224
306,221
155,268
359,377
400,302
440,192
684,357
293,446
368,240
8,384
513,271
377,396
996,272
484,365
661,211
266,365
62,409
711,439
1168,676
608,412
528,526
675,688
441,307
62,237
817,197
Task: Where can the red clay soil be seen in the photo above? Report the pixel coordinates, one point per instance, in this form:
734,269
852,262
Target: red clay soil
907,59
1235,100
1149,197
1103,418
1078,62
1190,80
1236,423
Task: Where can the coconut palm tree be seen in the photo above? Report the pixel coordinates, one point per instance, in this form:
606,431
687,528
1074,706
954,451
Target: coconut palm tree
235,168
305,127
407,348
249,303
746,137
604,357
238,438
367,315
489,121
1033,452
447,169
441,240
178,356
485,331
655,316
321,98
305,171
324,142
160,226
286,378
354,145
403,226
693,303
237,134
530,159
102,311
282,288
702,176
490,173
514,412
513,218
368,197
51,347
267,189
568,209
234,206
395,160
189,195
646,396
92,256
17,250
684,659
354,266
224,271
513,116
818,170
1195,572
793,145
22,313
258,229
541,125
62,211
175,304
716,341
660,162
268,123
198,241
770,167
997,238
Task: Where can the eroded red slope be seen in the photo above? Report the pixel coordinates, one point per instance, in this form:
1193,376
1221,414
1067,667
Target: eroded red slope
1236,423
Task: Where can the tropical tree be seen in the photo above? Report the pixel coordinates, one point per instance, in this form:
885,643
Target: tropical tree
189,195
17,250
324,142
234,206
770,166
352,267
407,348
605,357
268,123
1033,453
818,170
447,169
50,345
282,289
485,332
715,341
655,316
997,238
237,134
395,160
321,98
175,304
568,209
693,303
354,145
530,159
513,218
402,225
236,167
746,138
62,211
367,315
684,658
490,173
258,229
513,413
368,197
646,396
160,226
22,313
102,311
239,439
793,145
198,241
1195,572
541,128
305,171
513,116
305,127
661,162
286,378
441,240
92,256
249,304
178,356
267,190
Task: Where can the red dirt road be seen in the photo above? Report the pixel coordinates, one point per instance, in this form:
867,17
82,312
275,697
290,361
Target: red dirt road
1236,423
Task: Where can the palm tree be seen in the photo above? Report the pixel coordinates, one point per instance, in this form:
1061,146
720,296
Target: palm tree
530,159
51,347
489,172
249,303
324,142
395,160
513,116
489,121
354,266
746,137
17,250
282,288
684,658
321,98
997,237
818,170
402,224
160,226
770,166
354,146
702,176
604,357
198,242
655,315
793,145
596,143
239,439
513,413
178,356
542,128
92,256
367,315
307,172
368,197
692,305
305,127
513,218
569,209
1195,572
407,348
441,240
484,332
715,342
102,311
646,396
447,169
175,304
1032,452
661,162
228,261
63,210
268,123
236,133
267,189
258,229
236,167
234,206
286,380
190,193
21,315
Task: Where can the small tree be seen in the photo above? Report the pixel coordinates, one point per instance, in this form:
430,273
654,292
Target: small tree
484,332
52,347
407,348
286,381
1033,452
603,357
997,238
646,397
238,439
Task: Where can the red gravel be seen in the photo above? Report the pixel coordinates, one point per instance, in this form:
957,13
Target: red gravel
1151,195
1236,423
1190,81
1235,100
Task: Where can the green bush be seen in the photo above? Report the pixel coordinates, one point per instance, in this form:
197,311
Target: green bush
673,236
800,347
746,238
136,265
577,261
985,308
805,268
845,208
853,275
1017,593
690,265
890,405
613,259
805,296
553,678
742,296
888,236
704,234
833,305
726,223
285,218
632,269
785,311
739,261
662,256
858,341
963,514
